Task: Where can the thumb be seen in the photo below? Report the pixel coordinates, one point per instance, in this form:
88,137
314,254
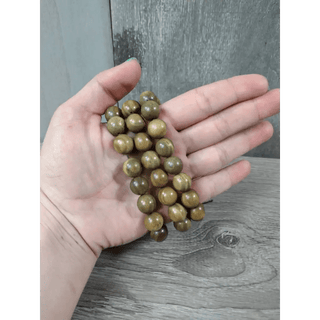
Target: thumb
106,88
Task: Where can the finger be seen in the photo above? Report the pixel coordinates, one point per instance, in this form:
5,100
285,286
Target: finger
210,186
201,103
105,89
230,121
212,159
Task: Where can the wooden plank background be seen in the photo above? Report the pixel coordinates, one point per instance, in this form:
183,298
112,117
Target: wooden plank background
183,44
225,267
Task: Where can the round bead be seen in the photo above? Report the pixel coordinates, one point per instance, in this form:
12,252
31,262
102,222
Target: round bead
150,160
112,111
150,110
139,185
148,95
173,165
182,225
147,203
157,128
116,125
190,199
123,144
154,221
182,182
177,212
198,212
164,147
130,107
167,196
160,235
158,178
142,141
132,167
135,123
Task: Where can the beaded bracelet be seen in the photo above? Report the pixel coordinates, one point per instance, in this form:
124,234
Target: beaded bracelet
149,144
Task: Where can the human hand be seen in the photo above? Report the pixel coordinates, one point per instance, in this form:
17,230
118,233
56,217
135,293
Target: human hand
210,126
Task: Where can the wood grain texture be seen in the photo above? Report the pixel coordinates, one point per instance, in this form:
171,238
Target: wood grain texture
184,44
76,44
225,267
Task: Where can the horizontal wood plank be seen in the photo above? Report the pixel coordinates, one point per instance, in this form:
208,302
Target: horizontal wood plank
224,267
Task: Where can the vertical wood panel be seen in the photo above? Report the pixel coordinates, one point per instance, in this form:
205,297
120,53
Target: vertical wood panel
76,44
184,44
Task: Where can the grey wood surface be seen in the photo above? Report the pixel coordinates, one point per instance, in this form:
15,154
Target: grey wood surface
76,44
183,44
225,267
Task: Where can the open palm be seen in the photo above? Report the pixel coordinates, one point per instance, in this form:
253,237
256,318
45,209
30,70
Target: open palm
210,126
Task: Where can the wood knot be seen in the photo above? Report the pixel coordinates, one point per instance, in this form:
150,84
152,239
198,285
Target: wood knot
227,239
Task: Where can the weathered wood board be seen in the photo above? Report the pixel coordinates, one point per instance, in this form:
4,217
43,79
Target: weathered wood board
184,44
225,267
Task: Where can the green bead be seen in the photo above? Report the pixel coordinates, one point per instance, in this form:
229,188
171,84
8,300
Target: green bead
165,147
154,221
112,111
167,196
173,165
150,110
150,160
130,107
148,95
198,213
147,203
116,125
182,225
157,128
132,167
139,185
181,182
158,178
135,123
142,141
190,199
159,235
177,212
123,144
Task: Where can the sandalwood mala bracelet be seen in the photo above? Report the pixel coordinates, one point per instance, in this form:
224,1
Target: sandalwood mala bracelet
149,146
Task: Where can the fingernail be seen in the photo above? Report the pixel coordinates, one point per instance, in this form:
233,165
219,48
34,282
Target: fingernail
133,58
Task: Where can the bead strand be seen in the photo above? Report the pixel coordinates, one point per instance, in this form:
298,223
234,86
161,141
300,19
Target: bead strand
141,119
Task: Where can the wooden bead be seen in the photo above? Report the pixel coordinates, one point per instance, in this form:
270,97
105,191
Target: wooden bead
182,225
173,165
154,221
164,147
123,144
167,196
177,212
182,182
139,185
198,212
132,167
190,199
112,111
150,160
158,178
135,123
150,110
148,95
130,107
147,203
157,128
116,125
142,141
159,235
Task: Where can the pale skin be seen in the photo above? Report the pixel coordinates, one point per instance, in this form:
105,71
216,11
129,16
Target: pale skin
86,202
